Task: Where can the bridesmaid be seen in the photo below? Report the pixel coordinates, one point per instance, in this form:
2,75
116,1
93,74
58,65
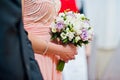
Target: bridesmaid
38,16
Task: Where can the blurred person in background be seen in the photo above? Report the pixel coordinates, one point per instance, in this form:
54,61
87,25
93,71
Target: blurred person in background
80,6
68,4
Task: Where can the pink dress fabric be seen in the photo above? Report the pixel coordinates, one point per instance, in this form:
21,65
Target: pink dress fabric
38,16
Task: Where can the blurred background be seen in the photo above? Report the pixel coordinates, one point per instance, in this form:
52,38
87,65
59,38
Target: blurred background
104,59
104,15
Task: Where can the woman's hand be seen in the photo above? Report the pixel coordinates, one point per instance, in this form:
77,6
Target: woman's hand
67,52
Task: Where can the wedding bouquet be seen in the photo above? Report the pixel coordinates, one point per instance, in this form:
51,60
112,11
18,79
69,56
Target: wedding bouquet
71,28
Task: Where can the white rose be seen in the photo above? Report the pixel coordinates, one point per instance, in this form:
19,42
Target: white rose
69,18
59,19
78,32
77,25
73,21
85,25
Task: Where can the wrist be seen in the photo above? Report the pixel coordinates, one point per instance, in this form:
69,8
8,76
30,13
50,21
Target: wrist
46,49
54,48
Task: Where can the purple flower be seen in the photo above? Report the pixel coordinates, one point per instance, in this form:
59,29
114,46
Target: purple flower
60,25
84,35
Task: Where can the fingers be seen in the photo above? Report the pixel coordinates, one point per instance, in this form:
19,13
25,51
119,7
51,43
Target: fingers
74,49
72,57
68,53
68,57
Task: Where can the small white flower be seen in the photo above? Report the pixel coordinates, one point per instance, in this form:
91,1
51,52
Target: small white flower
59,19
70,35
63,35
54,29
82,16
67,30
61,14
77,39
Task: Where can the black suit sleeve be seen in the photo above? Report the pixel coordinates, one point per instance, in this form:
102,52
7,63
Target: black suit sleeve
11,62
17,60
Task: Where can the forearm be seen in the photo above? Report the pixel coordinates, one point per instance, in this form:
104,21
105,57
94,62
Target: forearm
39,45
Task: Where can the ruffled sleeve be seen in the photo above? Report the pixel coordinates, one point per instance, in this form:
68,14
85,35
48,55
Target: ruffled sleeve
39,10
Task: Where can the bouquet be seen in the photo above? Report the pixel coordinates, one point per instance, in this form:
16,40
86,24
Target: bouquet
71,28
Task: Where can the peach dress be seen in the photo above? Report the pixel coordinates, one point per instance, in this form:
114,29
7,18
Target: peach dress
38,16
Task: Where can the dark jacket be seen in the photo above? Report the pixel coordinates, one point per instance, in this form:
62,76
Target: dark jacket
17,60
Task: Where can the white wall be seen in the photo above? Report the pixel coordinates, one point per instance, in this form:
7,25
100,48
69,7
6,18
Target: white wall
105,15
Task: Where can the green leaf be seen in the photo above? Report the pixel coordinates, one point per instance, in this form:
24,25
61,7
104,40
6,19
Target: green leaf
65,40
54,36
85,42
89,28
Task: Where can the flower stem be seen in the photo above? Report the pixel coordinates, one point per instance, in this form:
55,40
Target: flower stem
60,65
